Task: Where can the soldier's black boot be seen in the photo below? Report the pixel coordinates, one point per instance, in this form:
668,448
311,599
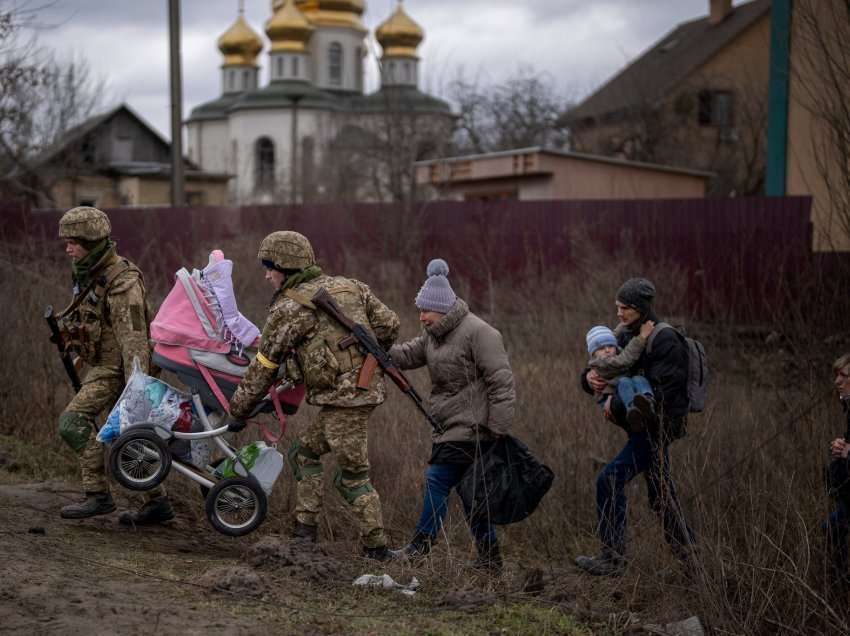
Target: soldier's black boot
154,511
381,553
489,558
96,503
418,548
304,532
608,563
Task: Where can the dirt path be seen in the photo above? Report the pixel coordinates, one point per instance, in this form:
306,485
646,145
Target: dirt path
97,577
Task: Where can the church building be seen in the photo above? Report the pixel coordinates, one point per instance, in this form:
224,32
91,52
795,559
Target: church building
310,132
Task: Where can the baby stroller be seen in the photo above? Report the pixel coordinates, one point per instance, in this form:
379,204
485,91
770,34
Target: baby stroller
201,337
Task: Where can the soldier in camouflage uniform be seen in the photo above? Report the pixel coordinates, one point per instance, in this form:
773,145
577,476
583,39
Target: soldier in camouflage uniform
295,326
106,325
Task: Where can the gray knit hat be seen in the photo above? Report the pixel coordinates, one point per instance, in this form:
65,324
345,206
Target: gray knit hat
638,293
436,293
598,337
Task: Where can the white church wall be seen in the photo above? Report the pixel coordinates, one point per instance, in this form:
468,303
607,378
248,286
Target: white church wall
208,144
352,46
249,126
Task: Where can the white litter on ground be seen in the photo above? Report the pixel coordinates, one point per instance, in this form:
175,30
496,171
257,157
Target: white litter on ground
387,582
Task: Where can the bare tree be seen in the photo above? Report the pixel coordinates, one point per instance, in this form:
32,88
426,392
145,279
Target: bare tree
521,112
41,100
822,73
373,157
681,130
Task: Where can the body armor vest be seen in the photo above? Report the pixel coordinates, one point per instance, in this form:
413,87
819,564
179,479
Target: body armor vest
85,324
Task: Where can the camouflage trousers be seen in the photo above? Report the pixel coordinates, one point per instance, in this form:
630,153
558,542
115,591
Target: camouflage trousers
77,427
343,432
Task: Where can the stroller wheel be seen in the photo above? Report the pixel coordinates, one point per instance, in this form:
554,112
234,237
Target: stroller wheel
236,506
139,459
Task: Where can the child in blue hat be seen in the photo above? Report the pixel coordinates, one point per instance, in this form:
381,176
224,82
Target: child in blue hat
627,400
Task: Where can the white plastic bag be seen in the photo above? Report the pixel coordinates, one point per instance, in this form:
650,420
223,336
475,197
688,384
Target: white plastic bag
145,400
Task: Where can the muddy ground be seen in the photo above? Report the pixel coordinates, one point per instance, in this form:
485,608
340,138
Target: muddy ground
97,577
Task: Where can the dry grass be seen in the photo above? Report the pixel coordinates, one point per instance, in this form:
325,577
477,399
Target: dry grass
749,473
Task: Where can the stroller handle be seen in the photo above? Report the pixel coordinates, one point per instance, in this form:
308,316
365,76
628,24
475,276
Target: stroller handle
201,435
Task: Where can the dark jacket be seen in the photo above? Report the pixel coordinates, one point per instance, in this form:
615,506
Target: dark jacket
666,368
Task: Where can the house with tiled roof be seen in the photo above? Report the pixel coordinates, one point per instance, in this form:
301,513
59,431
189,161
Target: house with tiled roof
114,159
696,98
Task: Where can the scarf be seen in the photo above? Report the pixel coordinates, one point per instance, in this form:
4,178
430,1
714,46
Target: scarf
83,269
292,281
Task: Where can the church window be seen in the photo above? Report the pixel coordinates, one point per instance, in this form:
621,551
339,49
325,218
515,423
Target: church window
264,162
391,73
246,80
407,77
335,63
294,67
230,80
280,68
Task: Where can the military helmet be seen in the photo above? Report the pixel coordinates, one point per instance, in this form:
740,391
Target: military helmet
88,224
287,250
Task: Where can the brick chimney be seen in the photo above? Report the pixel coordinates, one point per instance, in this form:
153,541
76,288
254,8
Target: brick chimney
718,11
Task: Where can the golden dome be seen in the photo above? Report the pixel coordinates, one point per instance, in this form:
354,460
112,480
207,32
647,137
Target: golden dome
339,13
304,5
399,35
288,28
240,44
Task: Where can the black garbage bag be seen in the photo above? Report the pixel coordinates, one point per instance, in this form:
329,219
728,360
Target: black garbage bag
505,484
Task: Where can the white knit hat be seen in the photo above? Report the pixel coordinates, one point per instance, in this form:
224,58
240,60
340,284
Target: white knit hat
436,293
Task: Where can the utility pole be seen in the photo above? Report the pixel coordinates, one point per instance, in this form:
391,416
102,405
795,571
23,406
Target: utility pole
178,198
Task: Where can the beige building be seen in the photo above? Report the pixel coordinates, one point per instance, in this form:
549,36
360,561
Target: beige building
116,159
817,155
696,98
536,173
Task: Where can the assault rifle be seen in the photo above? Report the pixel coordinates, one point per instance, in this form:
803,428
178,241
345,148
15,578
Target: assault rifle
375,354
56,337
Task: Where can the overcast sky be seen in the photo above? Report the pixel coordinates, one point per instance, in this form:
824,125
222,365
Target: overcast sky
578,43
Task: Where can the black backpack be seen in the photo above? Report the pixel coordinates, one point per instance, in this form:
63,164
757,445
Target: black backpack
697,367
505,484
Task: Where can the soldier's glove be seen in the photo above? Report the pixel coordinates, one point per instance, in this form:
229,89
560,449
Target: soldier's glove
234,425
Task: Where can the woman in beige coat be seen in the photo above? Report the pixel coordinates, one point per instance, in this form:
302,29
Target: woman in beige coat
472,399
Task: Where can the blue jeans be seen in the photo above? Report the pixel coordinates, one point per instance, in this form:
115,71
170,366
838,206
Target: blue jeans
439,481
837,527
641,454
629,387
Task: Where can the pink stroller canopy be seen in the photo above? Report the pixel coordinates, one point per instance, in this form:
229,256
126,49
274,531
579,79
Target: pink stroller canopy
185,318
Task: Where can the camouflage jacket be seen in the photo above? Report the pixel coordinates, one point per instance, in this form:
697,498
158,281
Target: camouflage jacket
107,323
294,327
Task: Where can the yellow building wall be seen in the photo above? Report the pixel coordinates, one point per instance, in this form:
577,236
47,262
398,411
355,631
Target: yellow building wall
107,192
68,193
583,179
810,162
535,176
